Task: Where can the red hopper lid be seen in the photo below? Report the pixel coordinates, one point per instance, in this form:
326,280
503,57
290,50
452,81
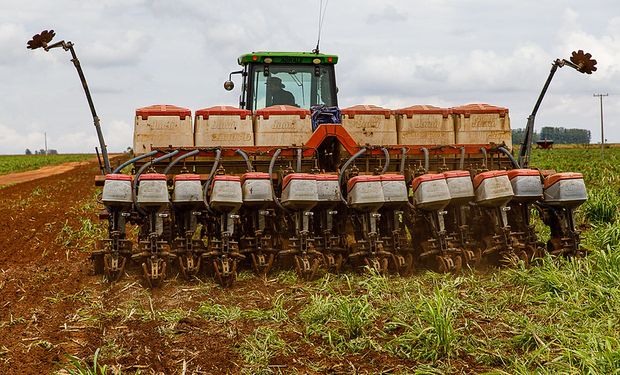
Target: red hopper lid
366,109
426,177
163,110
282,110
223,110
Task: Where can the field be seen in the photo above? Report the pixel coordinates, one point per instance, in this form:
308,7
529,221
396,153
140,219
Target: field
19,163
560,316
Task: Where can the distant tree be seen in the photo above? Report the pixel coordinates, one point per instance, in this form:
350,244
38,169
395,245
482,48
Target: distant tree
28,152
565,136
52,152
41,152
519,134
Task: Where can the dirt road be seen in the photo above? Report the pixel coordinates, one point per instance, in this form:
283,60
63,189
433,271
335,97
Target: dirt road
15,178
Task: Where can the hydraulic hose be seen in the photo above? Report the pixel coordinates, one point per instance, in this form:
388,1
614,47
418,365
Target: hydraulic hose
298,166
272,164
131,161
216,164
427,163
514,162
387,159
182,157
462,159
403,160
245,157
142,169
344,168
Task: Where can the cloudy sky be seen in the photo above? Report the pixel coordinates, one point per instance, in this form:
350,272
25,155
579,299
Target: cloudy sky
392,53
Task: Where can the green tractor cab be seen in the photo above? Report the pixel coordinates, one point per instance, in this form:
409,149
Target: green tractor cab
300,79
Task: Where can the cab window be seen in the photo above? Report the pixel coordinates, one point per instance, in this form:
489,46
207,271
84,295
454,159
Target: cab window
295,85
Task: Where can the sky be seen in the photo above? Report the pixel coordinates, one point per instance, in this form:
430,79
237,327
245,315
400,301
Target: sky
392,53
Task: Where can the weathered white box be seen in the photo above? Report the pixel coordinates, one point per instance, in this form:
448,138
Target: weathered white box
223,126
370,124
328,189
226,195
565,189
430,192
117,191
460,186
299,191
482,124
394,190
162,126
256,189
424,125
152,190
526,185
365,193
187,190
493,188
282,125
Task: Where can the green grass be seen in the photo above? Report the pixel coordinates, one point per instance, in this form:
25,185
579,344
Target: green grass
20,163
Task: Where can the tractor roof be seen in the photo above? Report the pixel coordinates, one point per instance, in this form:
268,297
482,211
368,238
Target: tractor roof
287,58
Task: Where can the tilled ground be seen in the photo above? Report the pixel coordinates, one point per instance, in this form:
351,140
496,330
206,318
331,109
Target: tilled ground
51,307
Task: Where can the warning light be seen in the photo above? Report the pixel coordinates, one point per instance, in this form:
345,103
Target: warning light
254,58
329,59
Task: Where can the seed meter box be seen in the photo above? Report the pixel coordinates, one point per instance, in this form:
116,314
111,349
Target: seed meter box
526,185
256,189
460,186
365,193
299,191
493,188
430,192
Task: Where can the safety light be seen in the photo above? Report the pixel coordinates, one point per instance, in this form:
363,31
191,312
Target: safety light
254,57
329,59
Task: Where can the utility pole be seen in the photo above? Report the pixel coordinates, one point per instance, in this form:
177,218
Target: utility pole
45,136
600,96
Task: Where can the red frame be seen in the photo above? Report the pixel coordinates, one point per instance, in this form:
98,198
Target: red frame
333,130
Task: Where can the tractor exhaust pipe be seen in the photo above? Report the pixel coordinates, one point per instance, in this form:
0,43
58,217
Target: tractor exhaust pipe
42,40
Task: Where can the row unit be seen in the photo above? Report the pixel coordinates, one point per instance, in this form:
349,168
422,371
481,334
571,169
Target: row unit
366,193
281,125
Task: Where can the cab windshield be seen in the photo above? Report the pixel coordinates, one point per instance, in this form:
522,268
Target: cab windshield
296,85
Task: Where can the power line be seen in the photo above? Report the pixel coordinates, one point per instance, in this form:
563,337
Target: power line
600,96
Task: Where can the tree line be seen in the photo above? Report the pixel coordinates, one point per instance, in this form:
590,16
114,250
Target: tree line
556,134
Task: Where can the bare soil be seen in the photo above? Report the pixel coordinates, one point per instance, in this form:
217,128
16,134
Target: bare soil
51,307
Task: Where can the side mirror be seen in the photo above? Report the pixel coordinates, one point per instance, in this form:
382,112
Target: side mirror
229,85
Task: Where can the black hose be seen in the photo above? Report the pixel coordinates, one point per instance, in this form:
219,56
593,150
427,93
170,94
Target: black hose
514,162
272,163
427,163
462,160
344,168
131,161
246,158
182,157
298,166
387,159
403,160
216,164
